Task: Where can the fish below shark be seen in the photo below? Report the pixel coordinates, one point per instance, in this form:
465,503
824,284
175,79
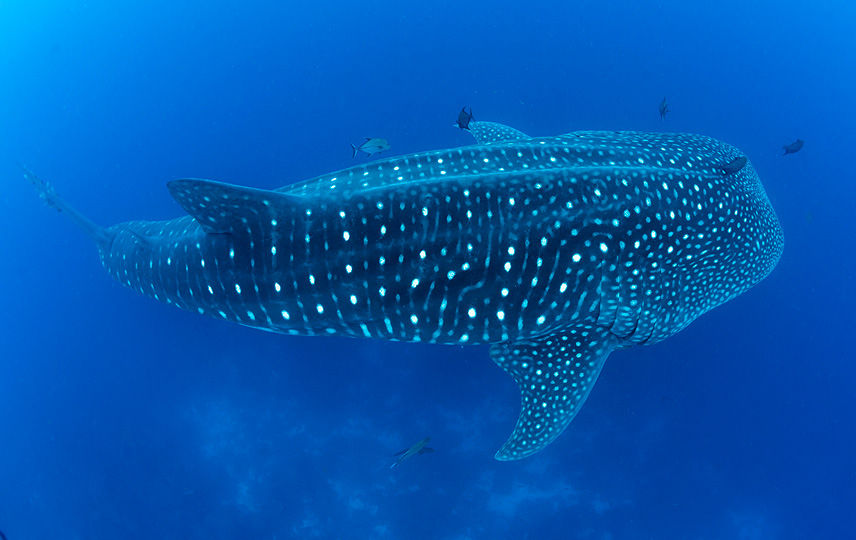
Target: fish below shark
415,450
554,251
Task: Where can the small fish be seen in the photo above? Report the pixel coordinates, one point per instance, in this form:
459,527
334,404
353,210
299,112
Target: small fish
734,165
464,118
415,450
664,108
794,147
371,146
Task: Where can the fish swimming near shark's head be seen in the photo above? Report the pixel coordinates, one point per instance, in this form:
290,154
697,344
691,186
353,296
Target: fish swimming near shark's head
554,251
793,148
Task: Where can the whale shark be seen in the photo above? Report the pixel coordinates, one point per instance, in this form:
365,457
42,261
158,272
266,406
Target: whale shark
554,251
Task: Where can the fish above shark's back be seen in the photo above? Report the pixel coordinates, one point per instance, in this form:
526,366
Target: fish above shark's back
794,147
553,250
664,109
370,146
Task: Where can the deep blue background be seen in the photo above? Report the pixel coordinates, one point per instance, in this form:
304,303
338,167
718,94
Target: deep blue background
124,418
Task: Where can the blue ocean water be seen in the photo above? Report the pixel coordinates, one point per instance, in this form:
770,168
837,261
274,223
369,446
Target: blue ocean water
124,418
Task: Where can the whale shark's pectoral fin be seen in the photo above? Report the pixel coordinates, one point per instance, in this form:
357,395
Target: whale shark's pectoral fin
224,208
491,132
555,373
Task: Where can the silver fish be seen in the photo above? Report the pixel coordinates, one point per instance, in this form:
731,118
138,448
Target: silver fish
371,146
415,450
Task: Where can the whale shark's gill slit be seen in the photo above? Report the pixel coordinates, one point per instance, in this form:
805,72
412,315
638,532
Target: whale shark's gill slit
632,333
655,313
602,309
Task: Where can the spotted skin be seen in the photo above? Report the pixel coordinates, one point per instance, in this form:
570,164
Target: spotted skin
491,132
553,250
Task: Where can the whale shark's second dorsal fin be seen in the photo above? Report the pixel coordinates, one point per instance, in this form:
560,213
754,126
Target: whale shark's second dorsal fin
491,133
224,208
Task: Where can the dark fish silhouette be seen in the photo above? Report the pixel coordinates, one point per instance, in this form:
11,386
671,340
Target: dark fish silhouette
2,536
664,108
415,450
464,118
735,165
371,146
794,147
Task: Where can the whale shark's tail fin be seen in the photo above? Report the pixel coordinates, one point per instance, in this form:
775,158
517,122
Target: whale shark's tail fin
103,237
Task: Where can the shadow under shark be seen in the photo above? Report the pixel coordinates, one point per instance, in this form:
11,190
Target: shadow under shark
553,250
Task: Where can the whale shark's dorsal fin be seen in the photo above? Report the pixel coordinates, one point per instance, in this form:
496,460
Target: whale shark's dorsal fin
225,208
555,373
491,133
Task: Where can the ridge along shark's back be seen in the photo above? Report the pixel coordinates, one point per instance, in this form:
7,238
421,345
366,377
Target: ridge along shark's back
554,250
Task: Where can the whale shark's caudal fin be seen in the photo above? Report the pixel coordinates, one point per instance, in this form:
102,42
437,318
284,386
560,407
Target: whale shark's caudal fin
555,373
102,237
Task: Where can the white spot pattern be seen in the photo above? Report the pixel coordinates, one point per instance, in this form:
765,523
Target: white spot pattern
557,248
